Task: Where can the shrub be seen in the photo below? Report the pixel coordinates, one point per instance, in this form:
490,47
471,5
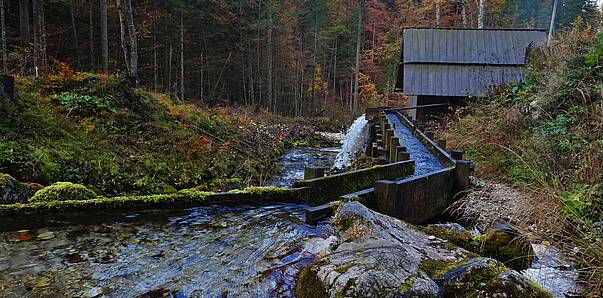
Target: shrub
84,104
63,191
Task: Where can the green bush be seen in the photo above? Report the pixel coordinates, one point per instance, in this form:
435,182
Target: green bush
63,191
84,104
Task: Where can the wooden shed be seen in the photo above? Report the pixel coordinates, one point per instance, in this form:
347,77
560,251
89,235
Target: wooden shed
447,65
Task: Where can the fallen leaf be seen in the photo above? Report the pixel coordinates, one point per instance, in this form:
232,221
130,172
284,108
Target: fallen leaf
45,236
24,237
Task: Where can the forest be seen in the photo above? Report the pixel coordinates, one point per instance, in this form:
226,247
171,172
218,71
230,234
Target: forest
301,148
291,57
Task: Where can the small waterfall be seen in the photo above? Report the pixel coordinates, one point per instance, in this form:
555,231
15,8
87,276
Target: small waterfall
354,143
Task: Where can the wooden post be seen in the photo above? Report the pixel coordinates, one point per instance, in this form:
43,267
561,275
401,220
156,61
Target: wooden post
385,196
457,154
314,172
393,153
442,144
462,173
403,156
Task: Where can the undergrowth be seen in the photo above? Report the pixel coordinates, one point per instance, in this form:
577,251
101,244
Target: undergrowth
99,131
545,136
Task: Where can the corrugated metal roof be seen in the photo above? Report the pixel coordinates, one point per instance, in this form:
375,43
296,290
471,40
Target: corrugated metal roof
456,80
463,62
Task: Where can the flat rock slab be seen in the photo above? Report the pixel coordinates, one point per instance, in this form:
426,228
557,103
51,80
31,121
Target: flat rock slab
379,256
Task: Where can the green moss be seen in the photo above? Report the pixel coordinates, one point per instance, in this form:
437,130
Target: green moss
437,267
186,197
344,268
462,239
309,286
407,285
63,191
511,249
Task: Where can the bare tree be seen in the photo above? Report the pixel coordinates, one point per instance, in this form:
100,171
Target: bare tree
269,90
552,27
182,53
122,34
133,43
464,12
75,39
3,24
104,36
24,22
37,36
438,13
357,69
481,14
91,23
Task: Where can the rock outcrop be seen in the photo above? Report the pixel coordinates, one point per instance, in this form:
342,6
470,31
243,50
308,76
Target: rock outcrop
379,256
11,190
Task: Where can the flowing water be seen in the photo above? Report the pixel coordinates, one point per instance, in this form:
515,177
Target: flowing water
199,252
354,144
293,162
425,161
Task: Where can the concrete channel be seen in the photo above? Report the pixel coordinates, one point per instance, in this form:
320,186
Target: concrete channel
437,178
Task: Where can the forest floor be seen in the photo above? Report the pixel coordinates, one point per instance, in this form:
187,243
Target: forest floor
98,131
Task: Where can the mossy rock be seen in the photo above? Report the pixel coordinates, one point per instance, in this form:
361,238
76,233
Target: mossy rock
308,285
507,245
63,191
11,190
461,238
486,277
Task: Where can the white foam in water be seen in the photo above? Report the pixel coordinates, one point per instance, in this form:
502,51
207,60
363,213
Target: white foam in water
354,143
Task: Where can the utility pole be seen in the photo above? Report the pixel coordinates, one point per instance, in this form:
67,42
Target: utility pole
552,27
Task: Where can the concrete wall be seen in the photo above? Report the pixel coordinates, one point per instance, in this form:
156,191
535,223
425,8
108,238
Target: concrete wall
325,189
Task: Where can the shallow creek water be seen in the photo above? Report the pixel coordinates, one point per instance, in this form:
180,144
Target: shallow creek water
212,251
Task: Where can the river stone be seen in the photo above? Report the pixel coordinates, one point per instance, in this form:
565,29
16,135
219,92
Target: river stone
380,256
377,255
11,190
486,277
506,244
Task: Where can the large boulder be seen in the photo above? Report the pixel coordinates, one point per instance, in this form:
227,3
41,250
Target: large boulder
380,256
11,190
63,191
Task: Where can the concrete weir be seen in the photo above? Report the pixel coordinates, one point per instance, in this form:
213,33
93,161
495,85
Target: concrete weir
436,180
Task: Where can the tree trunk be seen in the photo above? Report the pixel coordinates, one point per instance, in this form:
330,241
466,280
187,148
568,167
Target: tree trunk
269,91
104,37
438,11
3,24
182,54
155,75
464,12
43,42
357,69
122,34
76,42
133,43
552,27
170,69
37,36
481,14
24,23
91,22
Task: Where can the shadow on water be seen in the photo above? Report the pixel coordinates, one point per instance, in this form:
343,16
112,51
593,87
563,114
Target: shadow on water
208,251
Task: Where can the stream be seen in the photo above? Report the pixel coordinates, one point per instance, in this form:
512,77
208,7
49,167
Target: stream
214,251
